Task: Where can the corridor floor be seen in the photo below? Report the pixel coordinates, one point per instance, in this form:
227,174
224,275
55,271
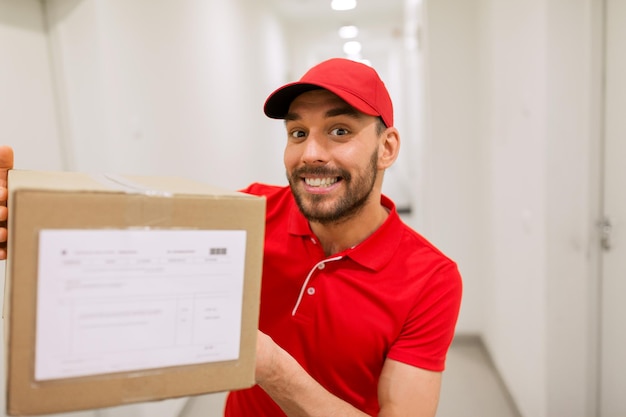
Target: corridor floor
471,386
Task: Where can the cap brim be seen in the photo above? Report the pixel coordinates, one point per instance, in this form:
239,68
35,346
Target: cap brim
277,104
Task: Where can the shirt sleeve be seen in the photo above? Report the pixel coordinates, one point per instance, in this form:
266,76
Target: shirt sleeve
429,329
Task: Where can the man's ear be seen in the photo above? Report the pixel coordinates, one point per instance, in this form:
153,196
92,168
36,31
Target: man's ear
389,147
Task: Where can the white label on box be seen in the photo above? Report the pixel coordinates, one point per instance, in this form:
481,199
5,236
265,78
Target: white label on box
129,300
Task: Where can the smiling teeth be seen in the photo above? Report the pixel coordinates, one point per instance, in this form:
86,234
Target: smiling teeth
320,182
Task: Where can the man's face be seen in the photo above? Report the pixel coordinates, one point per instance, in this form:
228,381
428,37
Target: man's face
331,157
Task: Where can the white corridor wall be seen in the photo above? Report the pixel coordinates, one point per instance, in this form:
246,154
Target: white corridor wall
169,88
518,103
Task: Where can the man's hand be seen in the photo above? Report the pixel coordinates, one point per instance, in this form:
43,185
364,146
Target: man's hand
265,355
6,163
293,389
403,390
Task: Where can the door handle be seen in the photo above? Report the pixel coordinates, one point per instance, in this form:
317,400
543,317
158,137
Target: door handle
606,228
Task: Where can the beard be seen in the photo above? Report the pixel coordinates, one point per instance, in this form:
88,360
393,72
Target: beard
318,207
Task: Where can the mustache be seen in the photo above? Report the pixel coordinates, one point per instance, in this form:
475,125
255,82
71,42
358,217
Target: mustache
321,172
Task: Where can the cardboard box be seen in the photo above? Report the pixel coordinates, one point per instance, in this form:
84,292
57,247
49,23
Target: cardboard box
127,289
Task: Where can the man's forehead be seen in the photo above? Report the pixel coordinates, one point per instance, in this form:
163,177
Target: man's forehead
322,100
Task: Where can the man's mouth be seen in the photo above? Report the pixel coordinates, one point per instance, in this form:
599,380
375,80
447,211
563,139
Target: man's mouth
321,182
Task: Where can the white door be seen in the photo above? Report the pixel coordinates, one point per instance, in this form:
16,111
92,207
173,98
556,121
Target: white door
613,342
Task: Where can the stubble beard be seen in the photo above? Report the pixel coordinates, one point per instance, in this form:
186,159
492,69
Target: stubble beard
357,192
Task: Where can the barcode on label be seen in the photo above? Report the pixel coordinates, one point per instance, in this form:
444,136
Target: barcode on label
218,251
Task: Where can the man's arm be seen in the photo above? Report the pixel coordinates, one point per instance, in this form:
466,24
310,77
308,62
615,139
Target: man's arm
404,390
6,163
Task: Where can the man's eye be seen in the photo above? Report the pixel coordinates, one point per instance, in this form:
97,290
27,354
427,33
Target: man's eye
339,131
298,134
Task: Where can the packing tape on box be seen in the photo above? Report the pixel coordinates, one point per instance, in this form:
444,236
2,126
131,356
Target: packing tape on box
121,183
151,215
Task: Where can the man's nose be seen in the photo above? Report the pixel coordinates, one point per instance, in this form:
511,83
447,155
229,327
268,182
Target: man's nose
315,149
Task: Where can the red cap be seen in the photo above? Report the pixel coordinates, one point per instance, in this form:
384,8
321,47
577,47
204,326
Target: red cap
357,84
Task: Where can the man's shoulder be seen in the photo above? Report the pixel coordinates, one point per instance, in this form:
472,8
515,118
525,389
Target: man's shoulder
278,197
414,247
266,190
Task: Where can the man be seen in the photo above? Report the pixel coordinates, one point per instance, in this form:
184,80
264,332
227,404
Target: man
361,309
357,310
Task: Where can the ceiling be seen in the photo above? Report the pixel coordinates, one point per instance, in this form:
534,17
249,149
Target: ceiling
378,21
367,11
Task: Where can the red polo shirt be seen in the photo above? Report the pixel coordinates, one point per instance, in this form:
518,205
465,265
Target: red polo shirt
392,296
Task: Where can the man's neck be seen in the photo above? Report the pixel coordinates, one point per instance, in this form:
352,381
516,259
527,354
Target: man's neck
339,236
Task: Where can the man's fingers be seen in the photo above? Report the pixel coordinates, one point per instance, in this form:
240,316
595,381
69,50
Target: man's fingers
6,157
3,243
6,163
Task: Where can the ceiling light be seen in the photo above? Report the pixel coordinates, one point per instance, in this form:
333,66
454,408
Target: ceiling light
343,4
348,32
352,48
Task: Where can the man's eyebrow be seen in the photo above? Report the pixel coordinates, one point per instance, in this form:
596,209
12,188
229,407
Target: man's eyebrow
292,116
344,110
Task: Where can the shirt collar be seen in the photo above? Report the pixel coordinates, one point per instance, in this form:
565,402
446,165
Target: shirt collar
375,251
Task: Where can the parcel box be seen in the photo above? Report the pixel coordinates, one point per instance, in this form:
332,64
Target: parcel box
123,289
